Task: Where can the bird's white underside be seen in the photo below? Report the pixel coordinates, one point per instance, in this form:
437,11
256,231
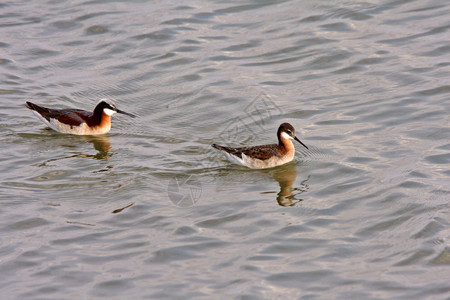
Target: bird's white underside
254,163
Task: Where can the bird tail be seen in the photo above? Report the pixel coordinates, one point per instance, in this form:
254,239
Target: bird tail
218,147
41,110
30,105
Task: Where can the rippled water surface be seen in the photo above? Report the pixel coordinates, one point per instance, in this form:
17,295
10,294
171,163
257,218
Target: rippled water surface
151,211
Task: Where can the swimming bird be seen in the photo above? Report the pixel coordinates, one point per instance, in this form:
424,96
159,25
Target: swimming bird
265,156
78,121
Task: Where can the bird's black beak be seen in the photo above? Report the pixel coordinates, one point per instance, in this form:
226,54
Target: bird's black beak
295,138
125,113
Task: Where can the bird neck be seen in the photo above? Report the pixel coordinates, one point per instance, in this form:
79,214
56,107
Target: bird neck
100,118
98,114
105,120
285,144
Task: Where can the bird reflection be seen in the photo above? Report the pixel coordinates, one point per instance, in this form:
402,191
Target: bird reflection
102,144
116,211
286,177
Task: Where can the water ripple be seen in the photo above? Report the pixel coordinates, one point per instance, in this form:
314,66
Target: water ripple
151,210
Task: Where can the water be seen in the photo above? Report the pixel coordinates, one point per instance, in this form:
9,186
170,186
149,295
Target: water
151,211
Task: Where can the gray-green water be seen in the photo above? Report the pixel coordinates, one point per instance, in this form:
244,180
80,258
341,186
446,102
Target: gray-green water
150,211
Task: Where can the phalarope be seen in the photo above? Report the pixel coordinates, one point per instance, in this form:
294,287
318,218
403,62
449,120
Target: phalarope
78,121
265,156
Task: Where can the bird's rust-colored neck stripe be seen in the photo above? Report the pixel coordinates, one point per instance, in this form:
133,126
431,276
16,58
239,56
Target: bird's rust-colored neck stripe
285,145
